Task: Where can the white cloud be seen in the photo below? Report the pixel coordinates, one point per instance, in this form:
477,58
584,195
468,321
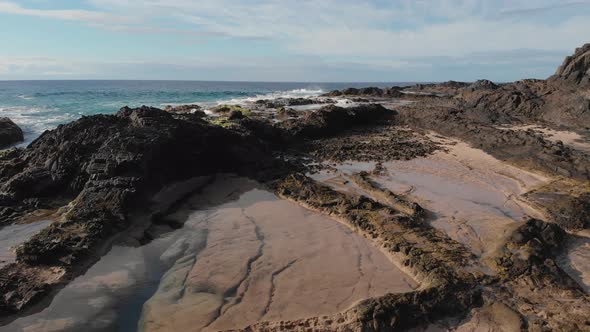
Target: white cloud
374,34
362,28
66,14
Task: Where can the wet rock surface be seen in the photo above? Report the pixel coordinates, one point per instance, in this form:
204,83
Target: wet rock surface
10,133
285,102
183,109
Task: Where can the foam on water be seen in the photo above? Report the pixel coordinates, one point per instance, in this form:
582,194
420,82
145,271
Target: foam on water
35,120
296,93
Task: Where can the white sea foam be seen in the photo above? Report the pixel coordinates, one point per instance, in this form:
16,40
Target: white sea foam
208,105
25,97
297,93
35,120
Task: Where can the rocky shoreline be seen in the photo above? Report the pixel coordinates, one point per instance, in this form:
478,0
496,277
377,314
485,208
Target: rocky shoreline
95,177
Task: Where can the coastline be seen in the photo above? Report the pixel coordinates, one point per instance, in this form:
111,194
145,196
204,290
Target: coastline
527,186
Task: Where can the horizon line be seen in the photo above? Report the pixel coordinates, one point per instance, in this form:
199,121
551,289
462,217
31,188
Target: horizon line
220,81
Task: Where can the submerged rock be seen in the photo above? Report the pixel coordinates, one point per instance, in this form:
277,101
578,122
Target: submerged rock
10,133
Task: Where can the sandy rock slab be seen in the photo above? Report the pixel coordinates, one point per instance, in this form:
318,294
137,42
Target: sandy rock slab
267,259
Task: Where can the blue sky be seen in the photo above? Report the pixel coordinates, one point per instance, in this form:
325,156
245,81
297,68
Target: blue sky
289,40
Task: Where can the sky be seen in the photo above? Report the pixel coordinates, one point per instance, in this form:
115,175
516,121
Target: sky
289,40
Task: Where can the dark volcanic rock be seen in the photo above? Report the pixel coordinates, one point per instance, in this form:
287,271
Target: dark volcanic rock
195,109
393,92
525,148
235,115
285,102
531,244
449,87
10,133
576,68
332,119
572,212
382,143
106,165
286,113
482,85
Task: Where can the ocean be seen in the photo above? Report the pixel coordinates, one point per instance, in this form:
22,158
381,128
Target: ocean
37,106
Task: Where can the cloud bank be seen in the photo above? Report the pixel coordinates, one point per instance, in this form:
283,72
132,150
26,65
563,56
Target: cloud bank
429,38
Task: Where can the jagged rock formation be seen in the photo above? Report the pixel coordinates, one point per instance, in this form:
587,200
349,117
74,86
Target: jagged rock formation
576,68
284,102
195,109
105,165
332,119
482,85
10,133
439,263
393,92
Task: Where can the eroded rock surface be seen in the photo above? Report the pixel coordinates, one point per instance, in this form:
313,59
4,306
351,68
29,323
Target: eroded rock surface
576,68
257,267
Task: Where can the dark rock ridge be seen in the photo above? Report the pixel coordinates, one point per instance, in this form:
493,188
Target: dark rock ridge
438,261
482,85
106,165
576,68
332,119
10,133
195,109
530,279
393,92
366,144
525,148
284,102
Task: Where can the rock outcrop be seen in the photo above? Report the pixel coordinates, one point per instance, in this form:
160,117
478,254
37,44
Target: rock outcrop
393,92
10,133
332,119
105,165
285,102
195,109
576,68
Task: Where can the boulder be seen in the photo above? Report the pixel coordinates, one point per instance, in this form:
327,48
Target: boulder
10,133
235,115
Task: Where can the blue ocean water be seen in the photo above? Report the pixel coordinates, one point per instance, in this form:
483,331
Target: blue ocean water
37,106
